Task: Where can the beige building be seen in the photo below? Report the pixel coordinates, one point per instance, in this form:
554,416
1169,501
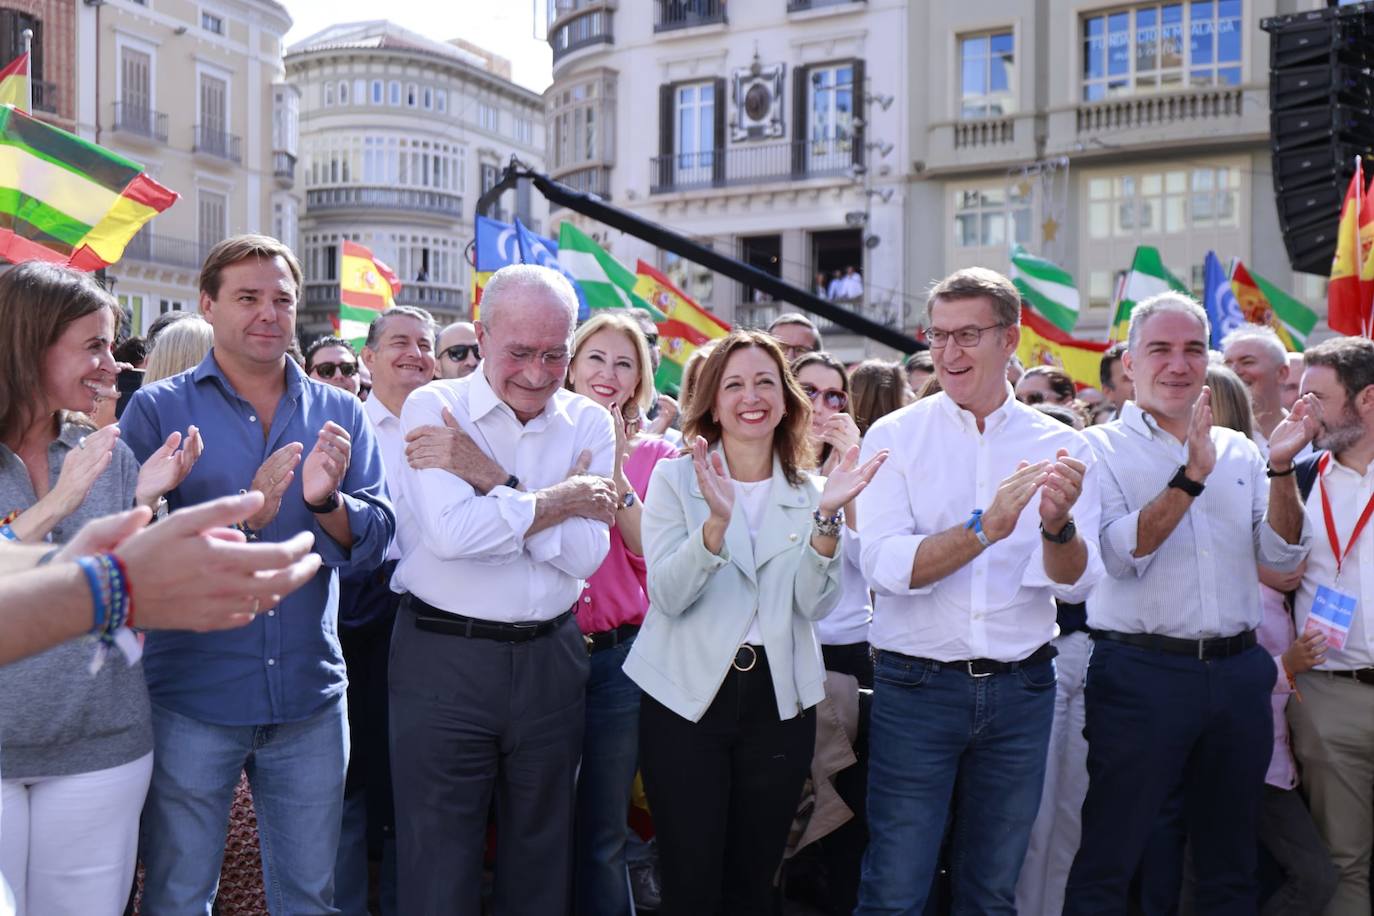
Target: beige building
774,130
192,90
1083,128
400,134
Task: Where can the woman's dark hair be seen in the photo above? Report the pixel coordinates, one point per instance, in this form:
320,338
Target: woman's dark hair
37,302
1060,383
791,442
821,358
879,387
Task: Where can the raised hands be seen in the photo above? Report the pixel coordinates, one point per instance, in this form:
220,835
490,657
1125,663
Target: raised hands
842,434
80,469
271,480
323,470
1202,452
167,467
1297,429
717,487
848,478
1061,488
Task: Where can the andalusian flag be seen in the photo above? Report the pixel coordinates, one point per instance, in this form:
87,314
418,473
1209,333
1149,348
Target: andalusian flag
1048,287
605,282
14,83
1264,303
1044,344
1348,296
367,287
66,200
686,327
1147,277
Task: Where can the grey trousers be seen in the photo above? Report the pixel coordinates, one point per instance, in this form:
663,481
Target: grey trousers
474,720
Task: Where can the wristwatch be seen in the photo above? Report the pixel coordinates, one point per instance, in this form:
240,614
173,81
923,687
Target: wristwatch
1185,483
628,500
513,482
329,505
1063,537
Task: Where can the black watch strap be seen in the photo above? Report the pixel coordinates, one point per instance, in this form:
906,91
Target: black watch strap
1185,483
326,507
513,482
1063,537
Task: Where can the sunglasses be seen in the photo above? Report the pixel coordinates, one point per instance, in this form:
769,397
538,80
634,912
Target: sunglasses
835,398
459,352
326,370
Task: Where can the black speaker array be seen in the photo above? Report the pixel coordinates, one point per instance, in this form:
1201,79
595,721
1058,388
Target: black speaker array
1321,103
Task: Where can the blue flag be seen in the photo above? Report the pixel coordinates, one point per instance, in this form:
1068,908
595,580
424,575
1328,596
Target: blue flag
497,245
1223,311
535,249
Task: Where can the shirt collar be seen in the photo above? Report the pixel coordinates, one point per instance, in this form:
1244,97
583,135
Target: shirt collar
482,400
71,434
209,368
991,423
378,412
1133,417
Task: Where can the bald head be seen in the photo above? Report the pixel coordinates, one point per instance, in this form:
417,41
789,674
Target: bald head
456,354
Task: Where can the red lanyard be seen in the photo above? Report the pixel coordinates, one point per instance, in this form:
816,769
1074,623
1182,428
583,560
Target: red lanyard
1331,522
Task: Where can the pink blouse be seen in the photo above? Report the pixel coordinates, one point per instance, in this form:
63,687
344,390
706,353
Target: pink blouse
615,594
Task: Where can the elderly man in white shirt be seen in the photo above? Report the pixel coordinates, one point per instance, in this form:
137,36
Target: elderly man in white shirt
488,667
986,512
1178,692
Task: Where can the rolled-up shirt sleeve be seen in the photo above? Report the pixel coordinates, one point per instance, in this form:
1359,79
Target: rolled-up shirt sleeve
371,518
1270,548
1119,527
888,547
1087,518
577,546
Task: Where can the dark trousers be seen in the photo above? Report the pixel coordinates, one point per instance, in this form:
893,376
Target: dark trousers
723,792
473,719
854,659
1156,721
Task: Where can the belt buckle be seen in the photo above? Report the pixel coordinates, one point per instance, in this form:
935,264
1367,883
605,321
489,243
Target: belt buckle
972,673
1202,650
591,645
753,658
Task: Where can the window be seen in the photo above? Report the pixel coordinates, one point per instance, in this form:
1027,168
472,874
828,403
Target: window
135,89
440,100
214,111
412,95
343,92
12,26
991,217
378,93
360,92
695,135
524,131
427,98
328,94
132,304
1161,47
486,116
394,93
490,174
690,277
212,23
211,213
580,122
284,221
171,305
986,66
830,117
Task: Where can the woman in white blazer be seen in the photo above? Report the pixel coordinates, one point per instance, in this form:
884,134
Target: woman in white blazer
740,545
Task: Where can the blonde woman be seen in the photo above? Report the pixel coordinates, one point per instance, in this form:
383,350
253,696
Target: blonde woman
181,346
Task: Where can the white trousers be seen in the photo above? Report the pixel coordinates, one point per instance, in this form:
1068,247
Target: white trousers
68,844
1059,823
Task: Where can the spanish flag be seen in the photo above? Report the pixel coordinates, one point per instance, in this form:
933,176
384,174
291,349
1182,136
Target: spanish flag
686,327
14,83
366,287
1044,344
1348,295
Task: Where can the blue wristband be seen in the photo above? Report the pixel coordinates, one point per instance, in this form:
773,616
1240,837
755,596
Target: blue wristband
99,585
7,533
975,524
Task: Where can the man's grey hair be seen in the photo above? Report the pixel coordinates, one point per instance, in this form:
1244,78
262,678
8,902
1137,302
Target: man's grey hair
375,329
801,320
516,277
1165,302
1264,335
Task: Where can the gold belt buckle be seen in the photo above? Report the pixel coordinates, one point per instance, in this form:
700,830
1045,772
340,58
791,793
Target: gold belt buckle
753,658
588,640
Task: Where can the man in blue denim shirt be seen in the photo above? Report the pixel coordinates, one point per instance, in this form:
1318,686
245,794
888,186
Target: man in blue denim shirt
268,698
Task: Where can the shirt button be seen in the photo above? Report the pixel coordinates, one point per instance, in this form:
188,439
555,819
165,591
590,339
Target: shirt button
792,536
272,613
252,419
587,600
271,661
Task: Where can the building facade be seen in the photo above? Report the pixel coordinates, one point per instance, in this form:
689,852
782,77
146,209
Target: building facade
400,135
53,69
773,130
193,91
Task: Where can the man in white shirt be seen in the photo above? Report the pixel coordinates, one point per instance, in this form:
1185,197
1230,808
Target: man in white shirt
1333,726
852,284
1178,687
488,667
399,352
986,512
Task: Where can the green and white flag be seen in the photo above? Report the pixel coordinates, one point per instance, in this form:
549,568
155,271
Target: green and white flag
605,282
354,322
1048,288
1147,277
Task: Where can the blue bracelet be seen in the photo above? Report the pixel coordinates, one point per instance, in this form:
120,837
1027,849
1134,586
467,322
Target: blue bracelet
975,525
7,533
101,596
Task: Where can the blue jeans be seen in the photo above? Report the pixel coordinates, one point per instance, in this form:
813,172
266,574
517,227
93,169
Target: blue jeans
296,771
610,754
940,736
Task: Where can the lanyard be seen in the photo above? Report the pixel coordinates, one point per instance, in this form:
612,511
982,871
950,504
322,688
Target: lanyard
1331,522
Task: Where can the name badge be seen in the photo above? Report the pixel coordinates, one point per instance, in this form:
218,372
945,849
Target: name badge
1331,614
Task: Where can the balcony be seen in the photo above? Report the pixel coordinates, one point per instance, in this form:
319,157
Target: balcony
579,30
424,295
284,169
45,97
762,314
165,251
670,15
790,160
364,197
141,121
1215,114
799,6
592,179
214,141
984,132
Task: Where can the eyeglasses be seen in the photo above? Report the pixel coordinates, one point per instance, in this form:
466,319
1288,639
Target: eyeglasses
964,337
326,370
835,398
459,352
1034,397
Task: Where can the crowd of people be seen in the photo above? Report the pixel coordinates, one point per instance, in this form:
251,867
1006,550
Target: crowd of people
464,616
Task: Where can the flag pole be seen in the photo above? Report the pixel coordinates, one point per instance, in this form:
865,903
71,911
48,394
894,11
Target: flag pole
28,66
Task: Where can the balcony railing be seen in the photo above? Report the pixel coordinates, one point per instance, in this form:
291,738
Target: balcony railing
762,314
752,164
684,14
364,197
594,179
141,120
591,27
214,141
45,97
425,295
796,6
166,251
1157,110
984,132
284,168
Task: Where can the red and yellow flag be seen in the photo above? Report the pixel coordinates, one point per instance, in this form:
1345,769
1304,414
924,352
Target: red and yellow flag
687,326
366,287
14,83
1348,295
1044,344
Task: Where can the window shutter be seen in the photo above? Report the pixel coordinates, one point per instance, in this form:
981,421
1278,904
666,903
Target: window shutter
800,125
718,128
860,113
666,118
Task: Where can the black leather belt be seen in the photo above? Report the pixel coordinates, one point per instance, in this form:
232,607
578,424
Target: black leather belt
747,658
1363,675
977,667
1201,649
433,620
609,639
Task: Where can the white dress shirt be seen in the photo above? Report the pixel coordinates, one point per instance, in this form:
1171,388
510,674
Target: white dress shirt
1000,605
470,554
1203,581
848,623
1350,493
392,443
852,286
753,498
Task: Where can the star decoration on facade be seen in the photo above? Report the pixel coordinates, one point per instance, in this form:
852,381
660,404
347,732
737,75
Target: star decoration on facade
1049,229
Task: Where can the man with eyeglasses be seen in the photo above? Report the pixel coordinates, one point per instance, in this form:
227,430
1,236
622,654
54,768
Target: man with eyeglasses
989,513
796,334
333,360
457,352
488,669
